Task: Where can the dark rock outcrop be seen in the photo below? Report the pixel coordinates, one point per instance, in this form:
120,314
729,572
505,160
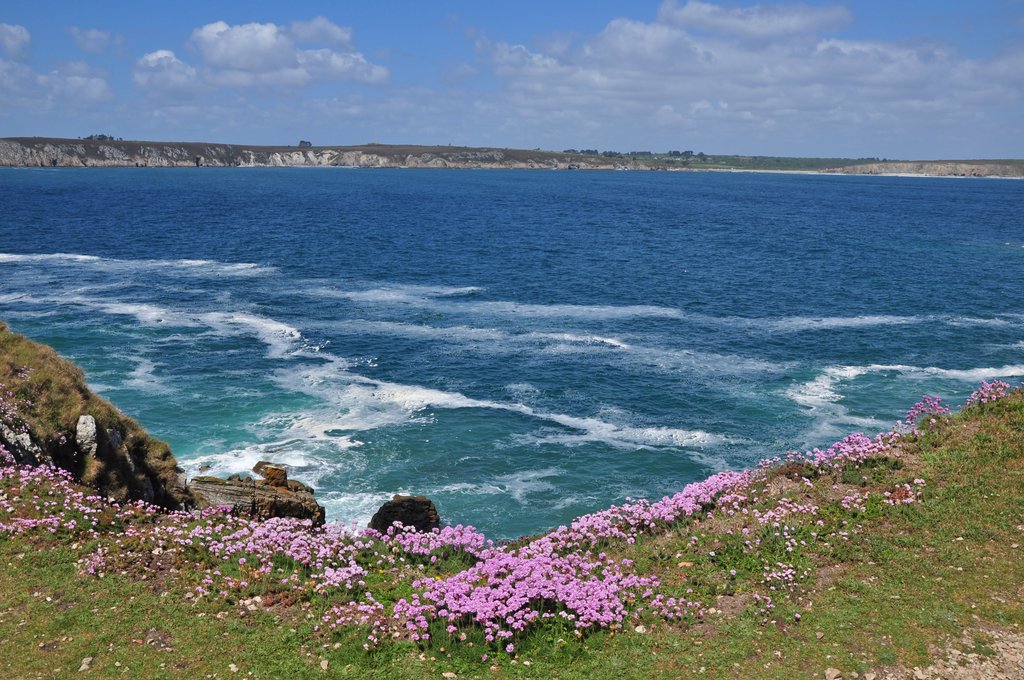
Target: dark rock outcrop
415,511
273,496
111,466
21,446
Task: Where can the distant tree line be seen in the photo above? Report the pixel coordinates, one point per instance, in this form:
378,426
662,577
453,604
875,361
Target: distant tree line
103,138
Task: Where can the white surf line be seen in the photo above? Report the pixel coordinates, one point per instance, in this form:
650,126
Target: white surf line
594,312
196,267
445,299
433,298
459,334
519,484
143,377
393,293
468,334
577,338
822,388
431,291
630,355
281,339
821,395
48,257
802,324
368,402
796,324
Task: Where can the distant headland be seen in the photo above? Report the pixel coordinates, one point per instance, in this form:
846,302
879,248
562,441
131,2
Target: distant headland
106,151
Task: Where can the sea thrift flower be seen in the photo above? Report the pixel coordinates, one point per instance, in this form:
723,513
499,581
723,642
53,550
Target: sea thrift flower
988,392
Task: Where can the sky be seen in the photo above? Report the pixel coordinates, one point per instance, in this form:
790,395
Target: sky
861,79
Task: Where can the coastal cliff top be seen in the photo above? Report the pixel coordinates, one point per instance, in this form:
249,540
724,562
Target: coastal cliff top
199,147
889,556
58,152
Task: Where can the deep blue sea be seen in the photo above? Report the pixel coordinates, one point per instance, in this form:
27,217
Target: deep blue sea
521,346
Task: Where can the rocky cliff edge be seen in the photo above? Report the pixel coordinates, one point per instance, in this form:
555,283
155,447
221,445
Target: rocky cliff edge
49,416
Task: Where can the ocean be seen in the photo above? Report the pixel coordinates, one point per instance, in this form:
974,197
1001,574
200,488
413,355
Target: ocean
520,346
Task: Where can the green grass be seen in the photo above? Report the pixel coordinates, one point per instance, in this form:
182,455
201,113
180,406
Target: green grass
909,579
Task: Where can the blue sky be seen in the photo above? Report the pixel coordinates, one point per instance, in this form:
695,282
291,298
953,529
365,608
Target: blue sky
936,79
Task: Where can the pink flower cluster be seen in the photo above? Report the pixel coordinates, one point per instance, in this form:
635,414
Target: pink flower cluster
435,544
508,591
928,406
855,501
988,392
853,449
369,613
784,508
47,498
560,576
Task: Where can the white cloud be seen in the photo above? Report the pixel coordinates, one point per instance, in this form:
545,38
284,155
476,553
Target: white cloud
325,63
261,54
763,78
759,21
163,71
75,85
14,39
76,82
321,31
252,48
15,80
93,40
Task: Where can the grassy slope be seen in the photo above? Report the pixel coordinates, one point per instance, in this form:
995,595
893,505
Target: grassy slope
913,577
52,398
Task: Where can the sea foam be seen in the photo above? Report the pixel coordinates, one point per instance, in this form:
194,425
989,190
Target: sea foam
364,404
187,267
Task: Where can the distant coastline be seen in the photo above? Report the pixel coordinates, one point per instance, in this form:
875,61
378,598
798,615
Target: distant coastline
78,153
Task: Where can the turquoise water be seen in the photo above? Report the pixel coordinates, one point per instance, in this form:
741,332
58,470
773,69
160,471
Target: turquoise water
522,346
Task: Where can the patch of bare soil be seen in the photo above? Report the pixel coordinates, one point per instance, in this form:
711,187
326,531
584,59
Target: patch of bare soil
979,654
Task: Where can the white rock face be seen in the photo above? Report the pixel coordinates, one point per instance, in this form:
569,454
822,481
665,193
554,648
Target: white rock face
85,435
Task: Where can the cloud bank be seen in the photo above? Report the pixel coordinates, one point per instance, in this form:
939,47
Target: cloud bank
772,78
760,77
73,84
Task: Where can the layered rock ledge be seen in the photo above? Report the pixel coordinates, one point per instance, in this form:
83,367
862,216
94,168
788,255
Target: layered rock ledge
272,496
